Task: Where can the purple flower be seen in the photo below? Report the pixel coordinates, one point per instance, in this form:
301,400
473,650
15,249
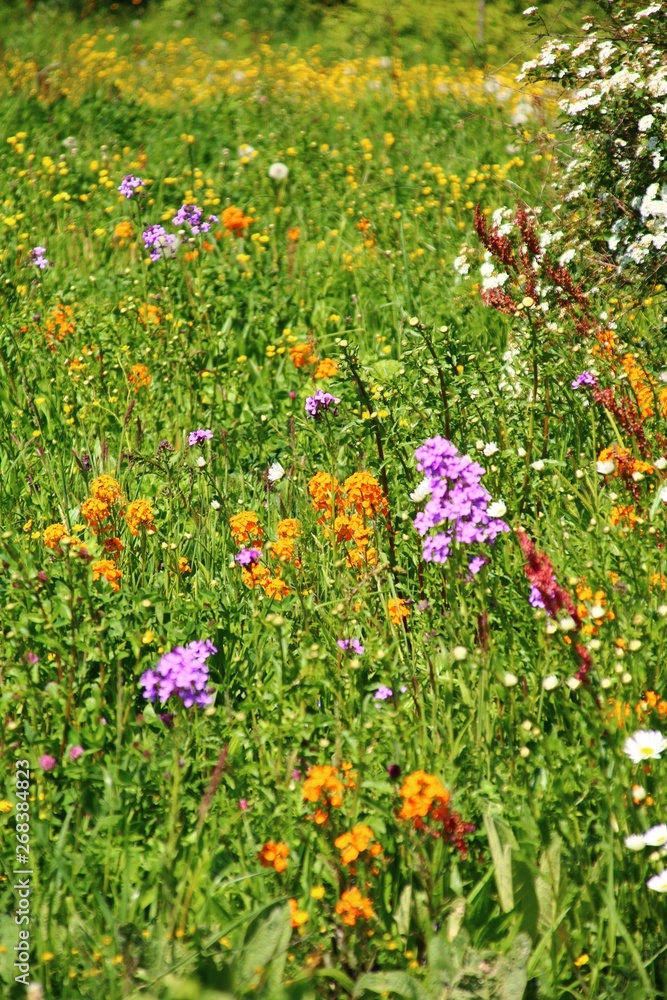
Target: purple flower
75,752
38,258
394,771
47,762
183,672
160,242
535,598
129,184
192,215
296,775
247,557
198,437
320,403
355,645
584,380
475,565
243,804
457,500
167,719
383,693
31,658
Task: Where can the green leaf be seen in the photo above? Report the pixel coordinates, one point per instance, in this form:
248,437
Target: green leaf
387,370
502,863
399,983
266,944
547,885
402,914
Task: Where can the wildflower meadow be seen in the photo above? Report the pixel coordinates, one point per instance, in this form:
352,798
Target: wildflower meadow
333,495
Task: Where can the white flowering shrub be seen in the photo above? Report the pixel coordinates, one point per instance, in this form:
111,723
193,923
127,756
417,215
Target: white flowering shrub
615,106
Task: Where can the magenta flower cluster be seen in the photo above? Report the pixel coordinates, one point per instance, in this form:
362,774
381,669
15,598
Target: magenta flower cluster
182,672
38,258
129,184
159,242
585,380
247,557
192,216
458,501
321,402
199,436
355,645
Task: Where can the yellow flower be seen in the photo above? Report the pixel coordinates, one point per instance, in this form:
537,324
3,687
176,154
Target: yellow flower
5,806
317,892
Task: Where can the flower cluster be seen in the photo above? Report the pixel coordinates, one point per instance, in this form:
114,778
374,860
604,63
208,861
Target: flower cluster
347,511
38,258
457,497
129,185
427,803
274,855
303,355
160,242
353,906
245,527
325,786
319,403
193,216
235,220
199,436
182,672
354,843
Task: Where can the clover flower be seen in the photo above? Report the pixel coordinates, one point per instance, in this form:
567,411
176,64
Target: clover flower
129,185
47,762
320,403
383,693
182,672
457,497
199,436
75,752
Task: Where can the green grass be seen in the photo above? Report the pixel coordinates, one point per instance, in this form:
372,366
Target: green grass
146,879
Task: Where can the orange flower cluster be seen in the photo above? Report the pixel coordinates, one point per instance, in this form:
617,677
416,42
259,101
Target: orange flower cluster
59,324
590,601
245,527
139,377
624,514
139,516
288,530
421,793
352,906
298,917
53,535
354,843
293,234
106,490
123,231
302,355
625,464
107,568
398,610
348,505
234,220
651,702
274,854
325,786
149,315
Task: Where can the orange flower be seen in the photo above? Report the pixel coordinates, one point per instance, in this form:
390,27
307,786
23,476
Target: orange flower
139,377
139,515
293,234
363,491
640,383
234,220
289,527
283,549
60,324
276,588
256,575
107,568
245,527
658,580
352,906
274,854
184,565
149,315
324,489
625,514
322,783
123,231
298,917
106,489
354,843
94,512
302,355
420,792
53,535
398,610
327,368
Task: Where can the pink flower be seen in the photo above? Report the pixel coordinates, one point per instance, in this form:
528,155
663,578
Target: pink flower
47,762
75,752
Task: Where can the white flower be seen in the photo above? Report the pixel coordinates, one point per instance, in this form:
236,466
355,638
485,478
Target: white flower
635,842
551,627
550,683
275,472
490,449
645,744
658,882
638,794
459,653
215,504
663,494
461,264
644,124
661,463
278,171
247,152
529,11
605,683
538,465
509,680
656,836
567,624
421,492
573,683
201,461
597,611
521,452
566,257
497,509
605,468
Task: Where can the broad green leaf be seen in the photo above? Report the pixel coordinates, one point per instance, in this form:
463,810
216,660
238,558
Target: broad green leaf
502,862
